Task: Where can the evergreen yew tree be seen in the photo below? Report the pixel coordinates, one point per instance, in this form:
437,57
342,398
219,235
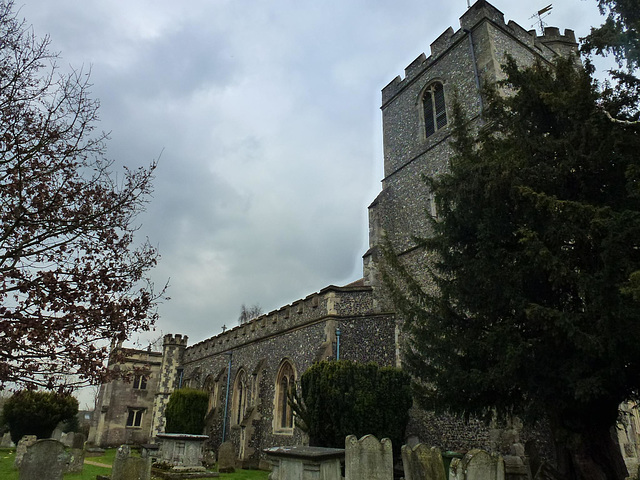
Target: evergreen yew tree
341,398
37,413
534,308
186,410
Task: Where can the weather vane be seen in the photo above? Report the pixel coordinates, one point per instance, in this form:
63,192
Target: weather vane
543,13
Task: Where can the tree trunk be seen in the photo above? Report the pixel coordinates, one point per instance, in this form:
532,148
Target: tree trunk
594,455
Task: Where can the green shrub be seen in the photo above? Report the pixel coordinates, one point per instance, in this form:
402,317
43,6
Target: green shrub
186,410
37,413
346,398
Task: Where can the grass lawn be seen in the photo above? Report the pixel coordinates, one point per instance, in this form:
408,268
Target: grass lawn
7,472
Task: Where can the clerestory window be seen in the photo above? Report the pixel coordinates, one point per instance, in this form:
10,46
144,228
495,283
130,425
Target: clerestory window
434,108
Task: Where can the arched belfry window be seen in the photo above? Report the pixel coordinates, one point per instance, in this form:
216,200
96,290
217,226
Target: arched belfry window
434,108
285,382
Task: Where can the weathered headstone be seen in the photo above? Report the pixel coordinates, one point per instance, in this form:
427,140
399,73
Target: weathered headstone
227,458
57,433
477,465
21,449
368,458
6,441
44,459
76,453
65,438
422,463
126,467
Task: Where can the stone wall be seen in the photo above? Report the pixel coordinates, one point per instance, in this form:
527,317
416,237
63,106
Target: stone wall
300,333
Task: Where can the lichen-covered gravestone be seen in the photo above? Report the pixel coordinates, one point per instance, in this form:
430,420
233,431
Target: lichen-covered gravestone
6,441
226,458
477,465
368,458
76,453
126,467
21,449
422,463
44,459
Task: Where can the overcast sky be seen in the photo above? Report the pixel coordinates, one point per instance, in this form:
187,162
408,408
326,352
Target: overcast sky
267,116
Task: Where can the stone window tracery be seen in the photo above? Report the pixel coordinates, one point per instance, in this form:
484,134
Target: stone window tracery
283,414
240,394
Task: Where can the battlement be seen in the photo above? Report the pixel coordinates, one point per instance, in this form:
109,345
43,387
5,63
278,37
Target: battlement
331,301
175,340
549,44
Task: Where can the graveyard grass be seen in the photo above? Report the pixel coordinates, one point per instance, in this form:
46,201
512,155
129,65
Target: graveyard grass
7,472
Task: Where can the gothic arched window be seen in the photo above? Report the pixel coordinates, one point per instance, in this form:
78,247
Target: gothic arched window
285,382
240,394
211,388
434,108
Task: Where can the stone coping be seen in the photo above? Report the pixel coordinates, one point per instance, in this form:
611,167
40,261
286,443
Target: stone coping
182,436
305,453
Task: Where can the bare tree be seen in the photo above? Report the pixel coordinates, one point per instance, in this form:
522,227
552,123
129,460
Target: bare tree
249,313
71,278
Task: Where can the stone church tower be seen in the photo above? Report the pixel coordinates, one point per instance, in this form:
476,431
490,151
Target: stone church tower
416,115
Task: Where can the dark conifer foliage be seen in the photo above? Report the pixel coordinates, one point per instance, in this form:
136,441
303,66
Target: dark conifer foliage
338,398
37,413
186,410
619,35
536,264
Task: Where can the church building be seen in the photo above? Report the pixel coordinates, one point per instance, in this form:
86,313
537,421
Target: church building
247,370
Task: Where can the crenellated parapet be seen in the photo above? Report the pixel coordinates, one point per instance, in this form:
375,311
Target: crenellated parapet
548,45
176,340
330,302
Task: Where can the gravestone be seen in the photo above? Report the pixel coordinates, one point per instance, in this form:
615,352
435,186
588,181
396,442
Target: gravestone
21,449
76,453
368,458
477,465
126,467
422,463
227,458
6,441
44,459
65,437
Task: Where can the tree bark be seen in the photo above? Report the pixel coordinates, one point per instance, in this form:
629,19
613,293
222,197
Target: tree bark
593,455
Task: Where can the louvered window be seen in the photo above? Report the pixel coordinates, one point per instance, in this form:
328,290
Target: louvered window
435,111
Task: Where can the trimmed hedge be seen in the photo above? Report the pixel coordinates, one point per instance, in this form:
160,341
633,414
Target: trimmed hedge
345,398
186,410
29,412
